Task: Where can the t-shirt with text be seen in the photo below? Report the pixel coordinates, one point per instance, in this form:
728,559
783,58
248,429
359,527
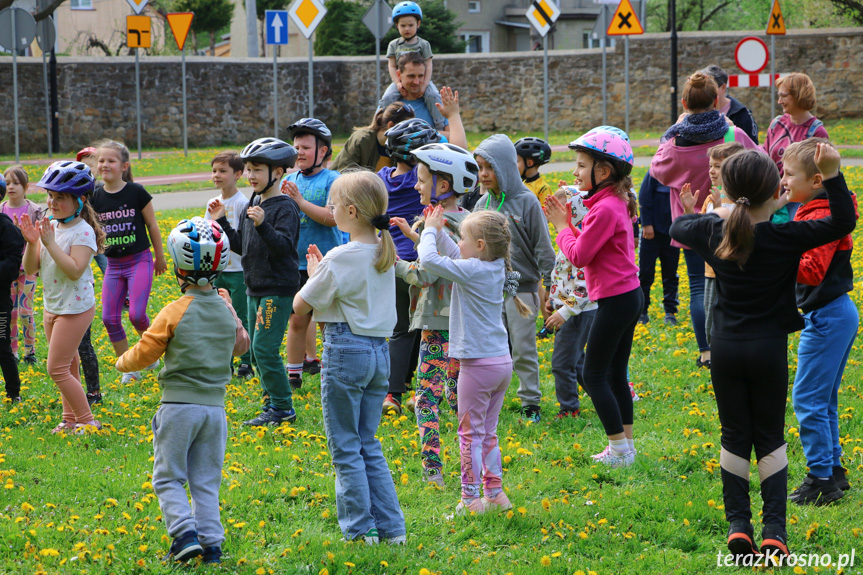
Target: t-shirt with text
315,189
121,216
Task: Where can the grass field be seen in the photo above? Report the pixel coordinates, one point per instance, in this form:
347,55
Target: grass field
85,504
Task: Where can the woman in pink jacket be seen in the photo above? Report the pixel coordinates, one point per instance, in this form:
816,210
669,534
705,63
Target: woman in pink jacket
682,159
604,247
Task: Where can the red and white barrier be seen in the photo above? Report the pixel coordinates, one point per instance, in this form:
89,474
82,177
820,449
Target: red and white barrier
751,80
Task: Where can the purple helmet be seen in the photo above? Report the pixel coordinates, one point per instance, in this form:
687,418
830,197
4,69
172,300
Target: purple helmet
68,177
607,145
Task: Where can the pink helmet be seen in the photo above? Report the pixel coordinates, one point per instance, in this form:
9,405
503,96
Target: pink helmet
607,145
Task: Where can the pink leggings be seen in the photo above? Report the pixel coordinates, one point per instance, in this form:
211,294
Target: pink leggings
64,333
132,277
23,290
482,385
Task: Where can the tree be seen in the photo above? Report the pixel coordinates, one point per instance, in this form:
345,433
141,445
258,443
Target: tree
45,8
851,9
751,14
211,16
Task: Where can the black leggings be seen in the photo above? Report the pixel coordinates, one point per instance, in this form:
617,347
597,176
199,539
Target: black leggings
404,344
8,363
750,382
89,364
607,357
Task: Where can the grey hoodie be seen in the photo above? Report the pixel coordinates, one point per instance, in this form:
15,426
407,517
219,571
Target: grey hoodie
531,253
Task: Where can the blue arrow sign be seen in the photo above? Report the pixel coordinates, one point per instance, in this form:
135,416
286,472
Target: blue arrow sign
277,27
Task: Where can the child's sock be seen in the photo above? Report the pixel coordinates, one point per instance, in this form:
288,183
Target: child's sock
491,493
295,369
619,446
469,491
631,443
311,359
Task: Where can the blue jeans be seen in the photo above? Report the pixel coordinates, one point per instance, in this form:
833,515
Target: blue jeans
354,374
695,271
825,343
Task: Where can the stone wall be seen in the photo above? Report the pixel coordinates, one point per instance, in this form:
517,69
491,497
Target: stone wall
230,100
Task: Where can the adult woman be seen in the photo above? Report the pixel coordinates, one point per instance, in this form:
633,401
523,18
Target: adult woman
365,148
681,159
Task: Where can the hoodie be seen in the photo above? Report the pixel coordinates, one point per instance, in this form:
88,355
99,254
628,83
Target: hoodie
531,253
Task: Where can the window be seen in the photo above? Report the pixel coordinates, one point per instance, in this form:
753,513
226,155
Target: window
475,42
473,6
81,4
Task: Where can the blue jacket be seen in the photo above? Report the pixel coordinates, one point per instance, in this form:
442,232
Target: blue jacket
654,204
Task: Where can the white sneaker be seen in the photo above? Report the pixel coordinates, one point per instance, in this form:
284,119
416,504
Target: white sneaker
602,453
152,366
131,376
613,460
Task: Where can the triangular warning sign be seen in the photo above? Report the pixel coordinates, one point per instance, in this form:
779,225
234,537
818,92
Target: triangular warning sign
180,23
624,22
776,22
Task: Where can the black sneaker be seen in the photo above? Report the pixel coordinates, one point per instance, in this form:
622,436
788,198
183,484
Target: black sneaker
774,544
273,417
312,367
184,547
212,554
699,363
531,413
840,479
13,399
814,491
740,540
670,319
296,380
94,398
245,371
644,319
30,359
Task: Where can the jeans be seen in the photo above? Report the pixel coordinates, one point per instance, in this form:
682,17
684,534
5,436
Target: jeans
353,387
567,359
825,343
648,252
695,271
270,315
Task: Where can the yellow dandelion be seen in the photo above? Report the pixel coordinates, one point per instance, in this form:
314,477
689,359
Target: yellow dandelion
545,561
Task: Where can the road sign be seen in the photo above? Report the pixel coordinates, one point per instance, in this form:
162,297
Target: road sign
307,14
180,22
138,5
277,27
378,26
752,80
542,14
776,22
624,21
46,34
751,55
138,32
25,29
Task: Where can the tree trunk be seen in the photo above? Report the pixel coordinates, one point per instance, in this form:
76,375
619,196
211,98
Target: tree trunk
212,43
263,39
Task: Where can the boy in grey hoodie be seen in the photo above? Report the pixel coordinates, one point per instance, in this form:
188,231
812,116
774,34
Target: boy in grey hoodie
531,253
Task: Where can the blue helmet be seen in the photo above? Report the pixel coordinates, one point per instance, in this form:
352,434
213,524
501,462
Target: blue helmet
614,130
407,9
2,187
68,177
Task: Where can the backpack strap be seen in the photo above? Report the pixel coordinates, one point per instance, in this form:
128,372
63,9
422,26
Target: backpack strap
774,122
729,134
812,128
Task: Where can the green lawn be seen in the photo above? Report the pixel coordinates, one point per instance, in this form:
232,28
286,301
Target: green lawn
85,504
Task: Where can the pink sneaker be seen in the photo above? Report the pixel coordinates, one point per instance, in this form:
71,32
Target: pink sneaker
82,428
602,453
499,501
475,505
632,391
611,459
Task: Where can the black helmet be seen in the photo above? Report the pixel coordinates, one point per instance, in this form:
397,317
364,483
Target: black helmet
270,151
322,135
409,135
535,149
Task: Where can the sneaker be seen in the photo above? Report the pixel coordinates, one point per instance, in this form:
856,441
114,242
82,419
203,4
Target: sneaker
473,505
531,413
602,453
499,502
94,398
434,477
397,540
705,363
544,333
245,371
296,380
740,539
411,404
312,367
130,377
212,554
152,366
82,428
814,491
774,544
372,537
644,319
17,399
670,319
30,359
632,392
184,547
611,459
838,475
65,426
392,405
563,413
272,416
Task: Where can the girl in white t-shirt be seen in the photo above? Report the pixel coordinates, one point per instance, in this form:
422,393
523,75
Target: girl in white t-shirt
60,248
352,291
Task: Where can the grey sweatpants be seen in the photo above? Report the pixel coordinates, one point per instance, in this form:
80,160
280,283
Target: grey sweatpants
522,340
567,359
189,445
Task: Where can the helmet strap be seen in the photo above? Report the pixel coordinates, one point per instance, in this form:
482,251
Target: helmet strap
315,164
270,179
68,219
435,198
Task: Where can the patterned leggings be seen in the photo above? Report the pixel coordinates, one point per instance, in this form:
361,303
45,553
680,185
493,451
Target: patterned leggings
22,306
438,377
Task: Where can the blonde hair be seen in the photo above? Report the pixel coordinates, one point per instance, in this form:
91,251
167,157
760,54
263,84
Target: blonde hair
699,93
20,176
367,193
800,87
493,229
724,151
122,152
802,155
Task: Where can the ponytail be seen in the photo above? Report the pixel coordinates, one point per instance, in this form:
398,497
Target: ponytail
89,216
367,193
512,277
738,237
386,252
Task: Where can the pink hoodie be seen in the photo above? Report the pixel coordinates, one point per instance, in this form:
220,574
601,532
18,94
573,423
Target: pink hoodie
605,247
675,165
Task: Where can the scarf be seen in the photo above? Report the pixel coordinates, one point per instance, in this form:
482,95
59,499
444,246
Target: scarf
700,128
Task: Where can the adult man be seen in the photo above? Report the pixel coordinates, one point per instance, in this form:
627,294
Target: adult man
411,73
733,110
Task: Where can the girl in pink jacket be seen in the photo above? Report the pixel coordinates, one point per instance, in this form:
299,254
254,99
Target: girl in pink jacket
604,247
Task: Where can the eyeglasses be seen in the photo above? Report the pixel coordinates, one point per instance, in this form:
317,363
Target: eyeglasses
781,95
407,108
331,208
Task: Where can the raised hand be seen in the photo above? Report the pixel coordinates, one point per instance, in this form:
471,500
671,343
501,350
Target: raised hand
557,213
827,160
687,199
46,232
435,218
28,230
256,214
405,227
216,208
313,259
449,102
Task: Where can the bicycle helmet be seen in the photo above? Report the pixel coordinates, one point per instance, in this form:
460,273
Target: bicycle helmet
407,9
451,161
90,151
407,136
68,177
606,145
535,149
613,129
270,151
200,251
2,187
322,135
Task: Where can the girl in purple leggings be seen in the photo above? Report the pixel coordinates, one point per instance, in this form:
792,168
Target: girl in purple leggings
126,214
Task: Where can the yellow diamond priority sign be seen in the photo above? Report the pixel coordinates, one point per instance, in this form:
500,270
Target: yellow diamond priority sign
542,14
307,14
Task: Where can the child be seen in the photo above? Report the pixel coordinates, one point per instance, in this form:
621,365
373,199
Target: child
352,291
480,268
605,249
61,247
267,240
90,156
407,17
532,257
310,188
190,429
571,312
756,264
11,249
445,172
23,286
532,153
126,213
227,170
823,281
